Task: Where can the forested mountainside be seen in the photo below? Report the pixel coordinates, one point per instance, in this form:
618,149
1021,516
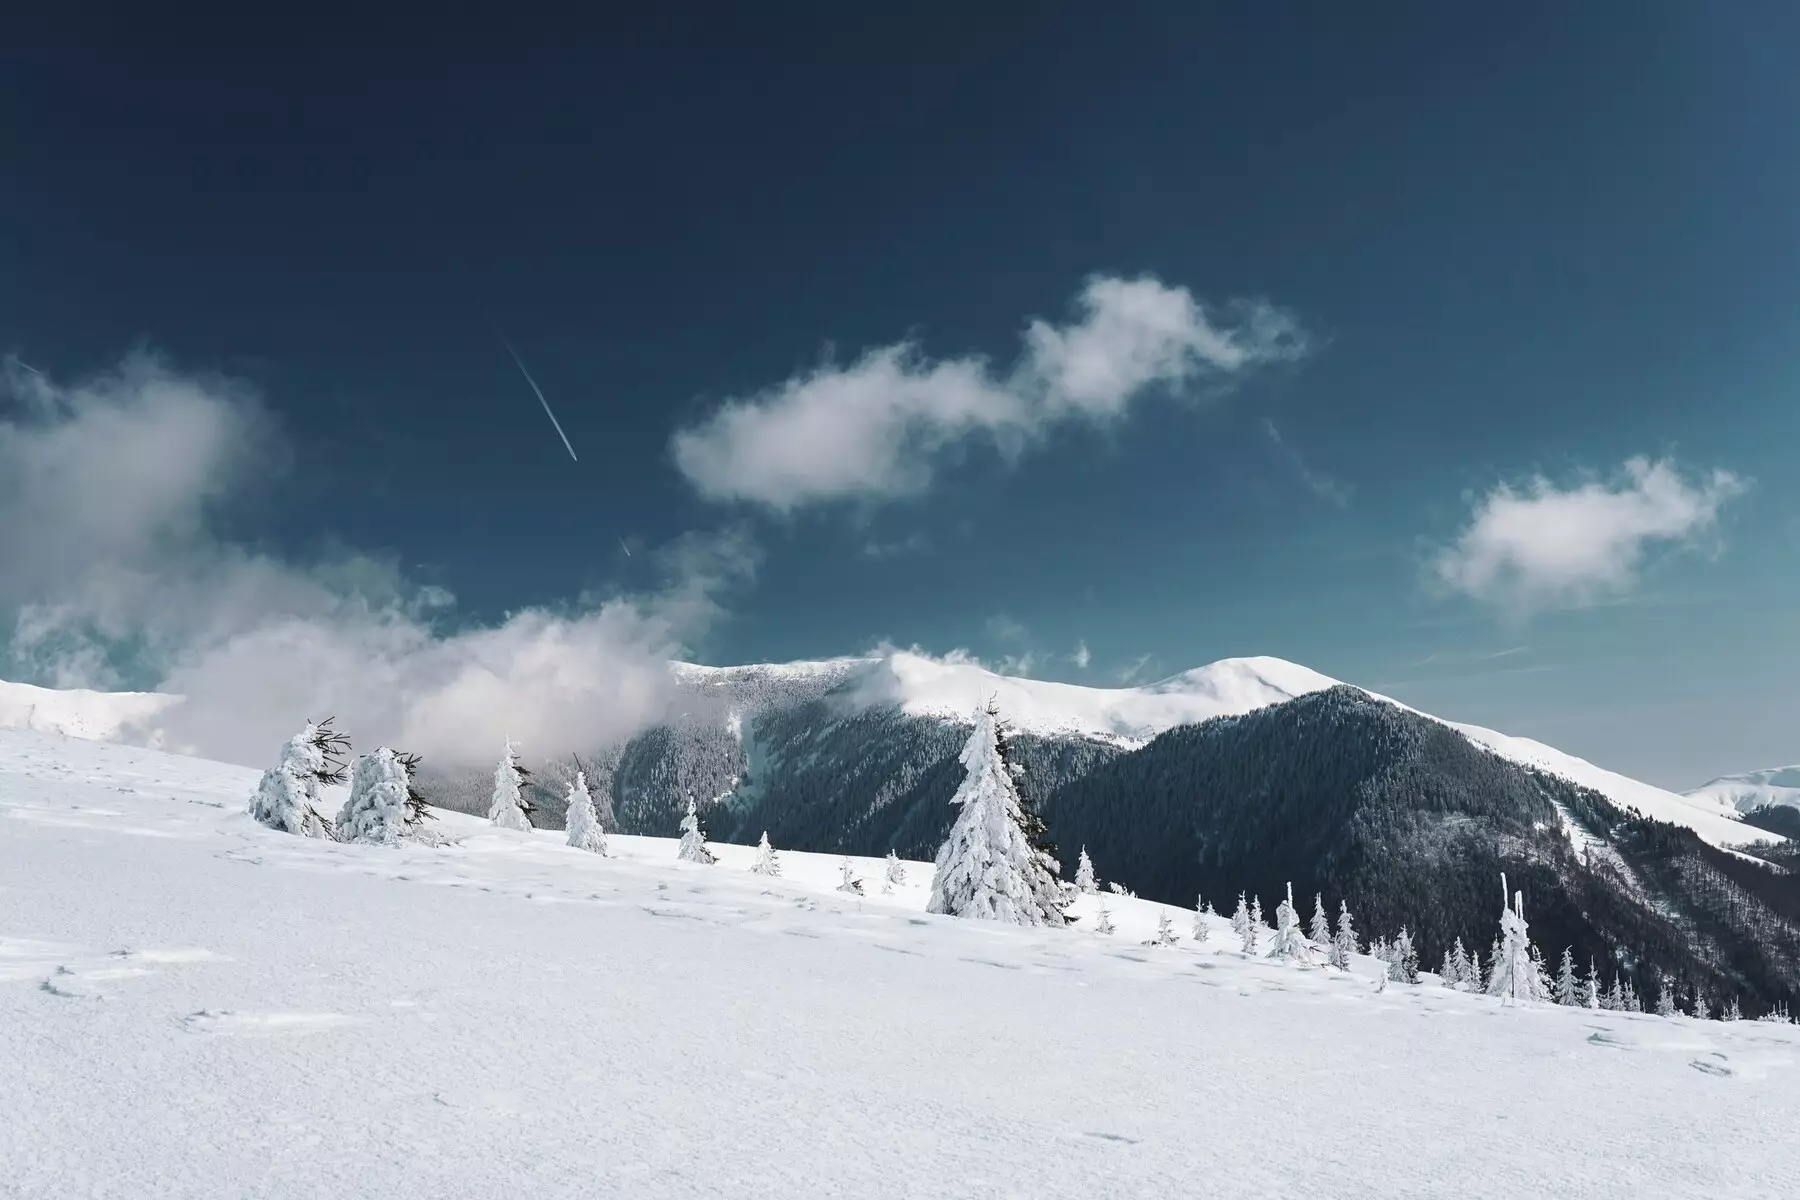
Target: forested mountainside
1411,824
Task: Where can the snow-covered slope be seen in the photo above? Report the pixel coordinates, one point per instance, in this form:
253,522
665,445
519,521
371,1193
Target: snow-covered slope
105,716
1128,716
1749,791
192,1005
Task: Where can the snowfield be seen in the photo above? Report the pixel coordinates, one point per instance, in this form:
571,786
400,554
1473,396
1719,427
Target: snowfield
193,1005
1750,790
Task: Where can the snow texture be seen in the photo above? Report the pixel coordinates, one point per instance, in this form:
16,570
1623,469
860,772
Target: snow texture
402,1037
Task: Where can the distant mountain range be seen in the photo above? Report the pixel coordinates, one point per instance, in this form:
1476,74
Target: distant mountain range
1751,790
1241,775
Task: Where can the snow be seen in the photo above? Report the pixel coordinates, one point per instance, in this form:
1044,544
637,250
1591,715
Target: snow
192,1005
1130,716
1750,790
76,712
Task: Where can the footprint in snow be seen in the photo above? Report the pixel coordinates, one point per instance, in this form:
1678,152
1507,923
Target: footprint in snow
267,1024
1713,1064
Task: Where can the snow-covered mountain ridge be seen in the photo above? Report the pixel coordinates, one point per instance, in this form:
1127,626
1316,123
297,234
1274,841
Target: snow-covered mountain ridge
951,689
1750,790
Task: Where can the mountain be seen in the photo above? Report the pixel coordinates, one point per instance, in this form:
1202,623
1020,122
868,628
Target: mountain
1412,823
194,1005
1750,791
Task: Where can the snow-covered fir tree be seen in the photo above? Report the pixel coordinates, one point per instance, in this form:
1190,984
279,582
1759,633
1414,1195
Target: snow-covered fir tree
287,795
1119,889
1320,929
1256,917
693,839
766,861
1165,933
1628,1001
1701,1011
847,881
508,807
1665,999
1459,966
1447,974
1252,929
1403,959
1289,943
1473,979
895,871
994,865
375,813
1591,997
1085,883
1102,918
1732,1012
1240,919
1344,940
1568,987
1515,975
583,823
1200,929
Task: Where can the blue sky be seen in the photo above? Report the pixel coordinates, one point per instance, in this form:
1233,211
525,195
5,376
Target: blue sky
1314,288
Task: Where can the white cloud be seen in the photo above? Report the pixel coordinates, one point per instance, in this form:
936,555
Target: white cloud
1540,546
107,491
1081,657
876,428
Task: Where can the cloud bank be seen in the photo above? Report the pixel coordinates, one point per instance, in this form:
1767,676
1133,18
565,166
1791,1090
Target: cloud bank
876,428
1539,546
110,492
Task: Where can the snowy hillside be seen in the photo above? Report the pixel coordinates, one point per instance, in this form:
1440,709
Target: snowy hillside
104,716
193,1005
1751,790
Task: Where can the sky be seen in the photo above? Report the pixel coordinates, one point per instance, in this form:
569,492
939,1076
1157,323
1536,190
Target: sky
1451,354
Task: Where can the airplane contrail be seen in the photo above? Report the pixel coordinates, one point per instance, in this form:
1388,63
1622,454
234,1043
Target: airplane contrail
625,548
540,396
